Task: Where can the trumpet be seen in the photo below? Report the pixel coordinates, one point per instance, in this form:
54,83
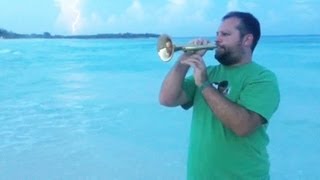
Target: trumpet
166,48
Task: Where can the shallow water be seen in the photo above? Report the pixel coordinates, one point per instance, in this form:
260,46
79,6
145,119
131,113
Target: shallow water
88,109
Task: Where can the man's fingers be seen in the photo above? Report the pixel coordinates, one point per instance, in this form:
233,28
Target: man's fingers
200,41
191,63
196,63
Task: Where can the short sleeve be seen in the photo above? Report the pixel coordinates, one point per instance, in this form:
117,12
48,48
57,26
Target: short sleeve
261,94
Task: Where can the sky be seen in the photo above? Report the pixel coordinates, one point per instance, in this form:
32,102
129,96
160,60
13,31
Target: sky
174,17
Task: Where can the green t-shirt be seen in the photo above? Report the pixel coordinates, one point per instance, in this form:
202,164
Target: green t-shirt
215,152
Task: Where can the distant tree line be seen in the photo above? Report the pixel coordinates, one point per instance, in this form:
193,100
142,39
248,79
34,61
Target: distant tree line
4,34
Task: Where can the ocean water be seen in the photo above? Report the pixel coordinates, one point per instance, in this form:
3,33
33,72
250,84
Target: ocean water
88,109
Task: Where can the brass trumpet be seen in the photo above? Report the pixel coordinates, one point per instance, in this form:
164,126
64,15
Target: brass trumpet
166,48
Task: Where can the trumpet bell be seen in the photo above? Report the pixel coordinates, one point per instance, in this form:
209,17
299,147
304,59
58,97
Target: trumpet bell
165,48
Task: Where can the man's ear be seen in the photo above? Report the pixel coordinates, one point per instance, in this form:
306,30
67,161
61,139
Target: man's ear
248,40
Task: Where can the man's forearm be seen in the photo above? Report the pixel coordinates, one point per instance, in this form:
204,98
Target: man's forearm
171,90
240,120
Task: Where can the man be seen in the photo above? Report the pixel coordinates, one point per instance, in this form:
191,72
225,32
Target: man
228,136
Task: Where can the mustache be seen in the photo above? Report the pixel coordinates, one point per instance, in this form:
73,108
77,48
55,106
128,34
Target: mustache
218,45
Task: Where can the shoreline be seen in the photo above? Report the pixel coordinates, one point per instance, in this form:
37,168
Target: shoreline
4,34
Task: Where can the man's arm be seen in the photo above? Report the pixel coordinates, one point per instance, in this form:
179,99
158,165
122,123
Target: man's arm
239,119
171,93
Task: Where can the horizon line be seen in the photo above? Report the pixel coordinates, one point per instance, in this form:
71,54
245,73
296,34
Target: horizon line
102,33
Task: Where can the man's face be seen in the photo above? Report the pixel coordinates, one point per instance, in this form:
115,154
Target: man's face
229,42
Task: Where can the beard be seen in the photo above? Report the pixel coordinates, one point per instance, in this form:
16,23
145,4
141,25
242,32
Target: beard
227,56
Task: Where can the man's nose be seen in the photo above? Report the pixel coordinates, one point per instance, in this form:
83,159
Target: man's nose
218,39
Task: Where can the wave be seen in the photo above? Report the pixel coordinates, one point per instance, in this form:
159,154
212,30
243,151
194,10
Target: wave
9,51
5,51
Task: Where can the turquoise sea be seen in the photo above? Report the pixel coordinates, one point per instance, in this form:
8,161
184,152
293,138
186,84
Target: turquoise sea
88,109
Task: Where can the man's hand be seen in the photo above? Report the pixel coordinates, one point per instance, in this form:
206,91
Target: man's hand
199,67
195,60
200,42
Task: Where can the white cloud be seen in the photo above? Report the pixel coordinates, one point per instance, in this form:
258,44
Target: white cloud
69,18
235,5
304,10
112,19
186,15
183,15
175,6
232,5
250,6
182,11
135,11
177,2
94,21
273,17
130,19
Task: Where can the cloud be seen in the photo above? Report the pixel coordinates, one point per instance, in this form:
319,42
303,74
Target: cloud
135,10
70,15
182,11
177,2
250,6
235,5
305,10
232,5
272,17
175,6
135,17
112,19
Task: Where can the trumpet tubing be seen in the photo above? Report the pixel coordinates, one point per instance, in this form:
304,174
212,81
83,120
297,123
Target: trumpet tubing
166,48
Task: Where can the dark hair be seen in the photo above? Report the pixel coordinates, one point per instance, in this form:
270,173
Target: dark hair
248,25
